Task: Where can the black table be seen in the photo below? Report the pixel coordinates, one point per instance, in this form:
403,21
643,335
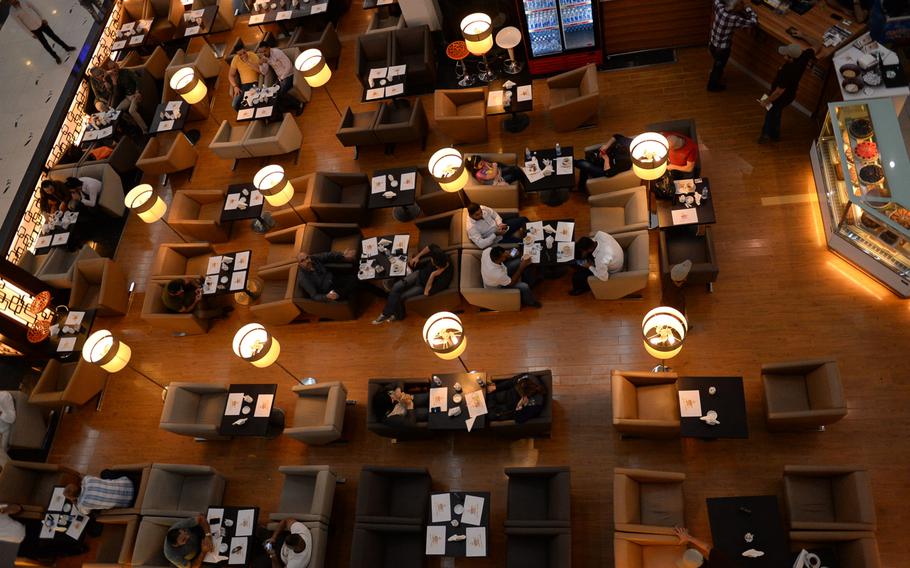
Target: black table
92,136
732,518
57,235
379,260
729,402
262,109
227,273
441,420
70,344
287,11
517,108
702,214
403,183
243,522
549,256
554,189
164,120
127,37
61,521
263,400
197,22
244,201
459,548
385,83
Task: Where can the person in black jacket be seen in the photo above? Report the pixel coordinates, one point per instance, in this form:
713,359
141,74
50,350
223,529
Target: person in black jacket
520,398
399,406
428,278
784,88
607,161
324,283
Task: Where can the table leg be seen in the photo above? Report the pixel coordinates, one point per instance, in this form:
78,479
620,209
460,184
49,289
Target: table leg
263,223
517,122
405,213
554,197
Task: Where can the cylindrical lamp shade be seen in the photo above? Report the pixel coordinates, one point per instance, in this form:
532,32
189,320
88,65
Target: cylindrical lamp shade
448,169
189,85
103,349
274,185
444,335
477,30
649,155
663,331
254,344
315,70
146,203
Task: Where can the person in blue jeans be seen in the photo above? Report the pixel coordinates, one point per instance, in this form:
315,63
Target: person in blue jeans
428,278
500,269
608,160
784,87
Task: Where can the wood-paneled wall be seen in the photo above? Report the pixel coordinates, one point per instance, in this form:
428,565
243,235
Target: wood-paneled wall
633,25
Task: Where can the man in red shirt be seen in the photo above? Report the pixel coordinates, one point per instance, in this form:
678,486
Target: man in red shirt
683,155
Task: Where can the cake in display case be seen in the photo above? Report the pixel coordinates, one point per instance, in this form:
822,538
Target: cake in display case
862,175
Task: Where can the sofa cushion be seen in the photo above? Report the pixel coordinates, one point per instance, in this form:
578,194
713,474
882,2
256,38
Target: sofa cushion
473,108
562,95
811,498
662,504
786,393
656,402
310,411
606,218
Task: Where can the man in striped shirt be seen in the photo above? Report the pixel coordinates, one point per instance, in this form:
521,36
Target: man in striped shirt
728,16
96,494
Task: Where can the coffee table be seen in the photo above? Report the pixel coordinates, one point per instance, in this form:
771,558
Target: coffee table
377,255
563,238
227,273
286,10
672,213
385,83
132,35
403,183
260,409
729,401
244,201
522,102
238,536
197,22
264,108
57,233
70,343
61,520
554,189
165,119
440,420
732,518
471,522
91,136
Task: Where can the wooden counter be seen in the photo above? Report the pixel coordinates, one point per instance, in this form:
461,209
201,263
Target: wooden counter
633,25
756,49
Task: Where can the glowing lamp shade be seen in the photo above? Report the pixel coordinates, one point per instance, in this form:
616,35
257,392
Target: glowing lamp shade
447,168
274,185
444,335
477,30
649,155
315,70
103,349
146,203
189,85
663,330
254,344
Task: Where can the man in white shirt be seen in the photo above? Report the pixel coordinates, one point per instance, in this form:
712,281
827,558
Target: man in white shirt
486,227
7,418
297,547
284,74
600,256
34,23
500,268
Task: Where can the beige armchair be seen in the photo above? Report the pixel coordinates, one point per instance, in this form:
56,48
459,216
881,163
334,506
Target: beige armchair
298,209
622,180
856,549
167,153
803,394
265,138
431,198
30,428
142,470
182,490
203,59
325,40
357,129
30,484
319,416
446,230
196,214
100,284
829,498
645,404
646,501
620,211
633,278
110,200
60,264
307,494
284,245
149,549
340,197
448,300
495,196
68,384
194,409
115,545
276,303
153,64
228,141
181,260
461,114
646,550
157,315
166,14
574,98
499,299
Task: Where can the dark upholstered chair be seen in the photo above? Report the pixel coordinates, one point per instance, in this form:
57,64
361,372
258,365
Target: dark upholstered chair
414,48
357,129
444,230
377,545
432,199
373,51
396,124
829,498
325,40
393,495
537,427
678,245
307,494
538,547
340,197
647,501
538,497
803,394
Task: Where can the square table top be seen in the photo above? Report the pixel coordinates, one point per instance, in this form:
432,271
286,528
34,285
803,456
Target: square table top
263,109
203,19
703,213
383,257
385,83
70,344
554,181
92,135
403,195
231,210
732,518
132,35
225,280
288,10
468,382
549,256
161,122
55,234
255,425
521,84
459,548
729,402
61,520
223,534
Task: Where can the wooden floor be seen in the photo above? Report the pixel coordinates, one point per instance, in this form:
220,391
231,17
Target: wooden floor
780,295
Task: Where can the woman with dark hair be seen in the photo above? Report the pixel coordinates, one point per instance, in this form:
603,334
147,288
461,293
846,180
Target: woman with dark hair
491,173
397,404
430,278
520,398
54,197
84,191
784,87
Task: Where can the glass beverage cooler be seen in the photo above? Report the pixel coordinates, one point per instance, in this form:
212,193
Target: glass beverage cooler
561,34
862,176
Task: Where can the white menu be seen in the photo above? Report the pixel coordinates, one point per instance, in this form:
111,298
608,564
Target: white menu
244,526
255,198
241,260
494,99
214,265
401,243
43,241
436,540
263,112
393,90
238,279
60,238
232,201
378,184
396,70
684,216
370,247
564,165
120,44
66,345
565,252
137,39
477,405
57,500
375,93
77,525
439,398
191,31
523,93
564,230
286,15
476,542
74,318
234,403
238,550
257,19
408,181
378,73
319,8
473,510
689,404
441,507
210,284
245,113
165,125
263,405
49,527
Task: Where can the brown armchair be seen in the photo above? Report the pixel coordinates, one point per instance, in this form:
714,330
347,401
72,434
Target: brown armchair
633,278
340,197
645,404
385,22
319,415
284,245
110,200
495,196
679,245
68,384
100,284
265,138
803,394
446,230
167,14
646,550
167,153
620,211
448,300
196,214
115,545
202,57
180,260
325,40
276,303
228,141
476,294
414,48
574,98
357,129
646,501
396,124
153,64
157,315
432,199
31,484
829,498
373,51
297,210
856,549
462,114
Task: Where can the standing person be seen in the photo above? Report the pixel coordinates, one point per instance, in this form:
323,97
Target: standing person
783,88
243,74
728,16
486,227
35,24
95,8
496,272
284,75
187,542
599,256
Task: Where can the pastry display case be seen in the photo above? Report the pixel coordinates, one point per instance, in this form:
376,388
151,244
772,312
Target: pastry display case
862,175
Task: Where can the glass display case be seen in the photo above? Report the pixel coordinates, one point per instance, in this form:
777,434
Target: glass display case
862,175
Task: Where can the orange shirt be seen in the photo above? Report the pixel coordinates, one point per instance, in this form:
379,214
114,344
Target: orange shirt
688,152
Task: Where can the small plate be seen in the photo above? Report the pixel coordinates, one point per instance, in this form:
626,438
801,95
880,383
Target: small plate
459,509
245,410
456,398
